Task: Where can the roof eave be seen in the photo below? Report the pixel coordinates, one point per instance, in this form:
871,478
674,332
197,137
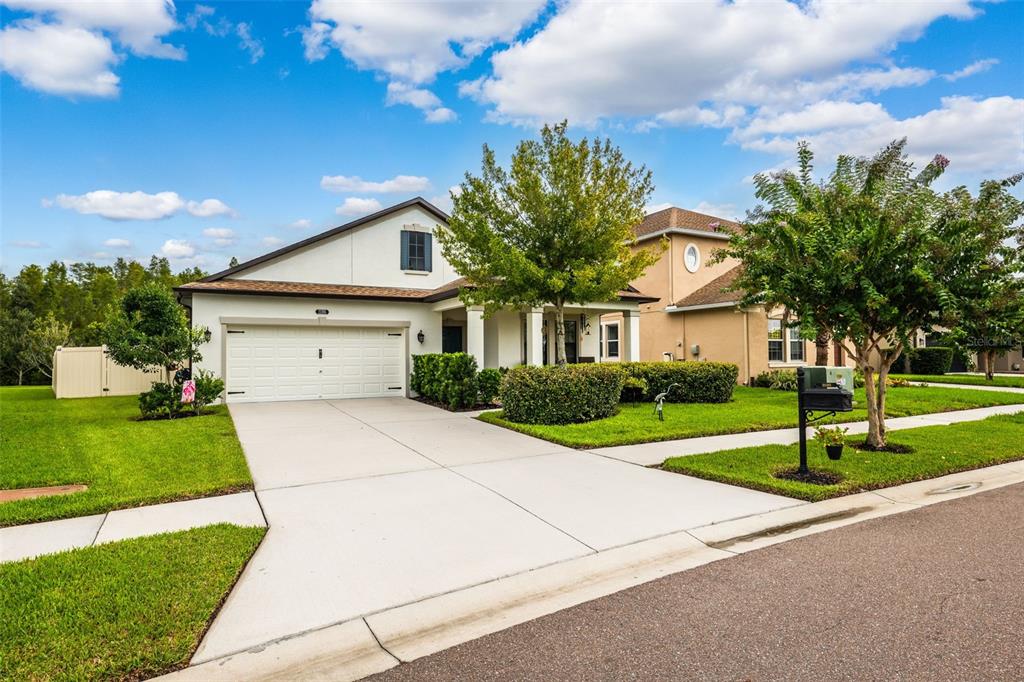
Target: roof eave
683,231
700,306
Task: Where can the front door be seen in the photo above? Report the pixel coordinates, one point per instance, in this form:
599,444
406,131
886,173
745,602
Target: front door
571,349
451,339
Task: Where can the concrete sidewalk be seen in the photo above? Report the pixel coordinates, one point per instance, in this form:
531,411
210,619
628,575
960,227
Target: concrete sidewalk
972,387
652,454
25,542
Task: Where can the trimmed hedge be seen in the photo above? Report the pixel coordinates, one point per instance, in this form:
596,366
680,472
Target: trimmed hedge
561,395
777,379
927,360
447,378
696,381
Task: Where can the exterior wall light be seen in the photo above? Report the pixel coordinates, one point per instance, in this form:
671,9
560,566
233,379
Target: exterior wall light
420,336
207,335
585,324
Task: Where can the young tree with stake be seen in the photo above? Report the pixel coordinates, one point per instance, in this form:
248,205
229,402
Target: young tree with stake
555,228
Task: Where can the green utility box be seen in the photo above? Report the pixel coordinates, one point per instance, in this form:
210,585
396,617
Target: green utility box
821,377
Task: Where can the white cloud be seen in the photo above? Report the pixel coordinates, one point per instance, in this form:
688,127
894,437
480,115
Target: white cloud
137,205
410,45
354,206
117,243
301,224
600,60
440,115
354,183
272,242
177,249
248,43
27,244
977,67
422,99
208,208
123,205
65,47
823,115
977,135
63,60
221,236
727,211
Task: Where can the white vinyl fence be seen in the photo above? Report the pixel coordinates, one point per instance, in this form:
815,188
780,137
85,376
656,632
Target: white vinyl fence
88,372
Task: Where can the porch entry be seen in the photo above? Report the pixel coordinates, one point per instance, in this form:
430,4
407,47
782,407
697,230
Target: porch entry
451,339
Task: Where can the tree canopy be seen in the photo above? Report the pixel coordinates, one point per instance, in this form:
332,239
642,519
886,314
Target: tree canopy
871,254
554,228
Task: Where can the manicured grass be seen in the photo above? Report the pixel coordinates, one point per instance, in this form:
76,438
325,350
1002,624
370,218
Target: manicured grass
752,409
127,610
966,379
99,443
938,450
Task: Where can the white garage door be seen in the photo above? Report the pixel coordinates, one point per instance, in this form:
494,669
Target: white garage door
306,363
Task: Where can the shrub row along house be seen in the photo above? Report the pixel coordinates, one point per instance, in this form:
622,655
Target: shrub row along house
339,315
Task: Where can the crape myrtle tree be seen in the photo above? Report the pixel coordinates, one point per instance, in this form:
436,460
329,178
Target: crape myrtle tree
990,316
149,329
870,255
554,228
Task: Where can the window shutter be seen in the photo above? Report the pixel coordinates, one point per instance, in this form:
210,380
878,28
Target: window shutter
427,251
405,250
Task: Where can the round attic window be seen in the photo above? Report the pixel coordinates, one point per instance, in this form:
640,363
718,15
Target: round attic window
691,257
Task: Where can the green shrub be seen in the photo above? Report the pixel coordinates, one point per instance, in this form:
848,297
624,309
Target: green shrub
447,378
208,389
561,395
928,360
777,379
488,383
696,382
633,389
161,400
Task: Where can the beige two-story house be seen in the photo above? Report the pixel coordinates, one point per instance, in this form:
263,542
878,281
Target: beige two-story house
697,316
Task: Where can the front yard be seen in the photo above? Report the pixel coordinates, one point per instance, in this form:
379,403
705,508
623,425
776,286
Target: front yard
127,610
938,450
965,379
752,409
98,442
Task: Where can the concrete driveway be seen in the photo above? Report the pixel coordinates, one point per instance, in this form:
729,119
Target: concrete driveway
381,502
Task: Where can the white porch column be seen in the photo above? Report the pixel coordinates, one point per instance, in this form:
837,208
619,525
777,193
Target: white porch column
534,325
475,334
631,335
590,344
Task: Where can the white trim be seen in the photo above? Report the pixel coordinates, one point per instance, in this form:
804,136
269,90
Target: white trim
683,230
310,322
604,341
703,306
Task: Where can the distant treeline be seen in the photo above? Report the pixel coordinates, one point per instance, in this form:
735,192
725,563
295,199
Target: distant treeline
77,295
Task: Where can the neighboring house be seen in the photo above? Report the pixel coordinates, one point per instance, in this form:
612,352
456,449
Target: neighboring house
696,316
340,314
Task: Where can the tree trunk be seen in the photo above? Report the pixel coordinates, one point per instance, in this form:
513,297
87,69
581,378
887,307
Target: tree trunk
875,393
821,348
560,334
990,364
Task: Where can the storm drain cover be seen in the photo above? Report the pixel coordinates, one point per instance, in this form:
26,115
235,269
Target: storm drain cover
959,488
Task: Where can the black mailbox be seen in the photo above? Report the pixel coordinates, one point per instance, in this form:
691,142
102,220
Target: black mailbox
828,400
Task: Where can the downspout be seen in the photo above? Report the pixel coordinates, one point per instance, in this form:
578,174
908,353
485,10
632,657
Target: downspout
746,347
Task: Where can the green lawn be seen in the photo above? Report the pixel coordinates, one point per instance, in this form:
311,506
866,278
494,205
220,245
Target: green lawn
127,610
938,450
967,379
99,443
752,409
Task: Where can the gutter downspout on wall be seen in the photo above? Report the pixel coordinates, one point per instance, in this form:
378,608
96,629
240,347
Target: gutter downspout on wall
746,347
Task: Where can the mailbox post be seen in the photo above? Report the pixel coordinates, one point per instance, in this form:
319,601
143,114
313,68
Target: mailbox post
814,392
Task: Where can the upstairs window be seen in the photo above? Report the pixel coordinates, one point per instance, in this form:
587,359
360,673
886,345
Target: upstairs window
416,249
796,345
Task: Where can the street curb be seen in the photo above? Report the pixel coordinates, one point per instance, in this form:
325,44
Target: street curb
405,633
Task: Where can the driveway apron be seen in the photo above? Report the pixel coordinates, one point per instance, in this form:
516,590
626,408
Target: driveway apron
380,502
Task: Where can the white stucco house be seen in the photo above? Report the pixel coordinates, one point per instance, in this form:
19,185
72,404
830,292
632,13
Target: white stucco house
339,315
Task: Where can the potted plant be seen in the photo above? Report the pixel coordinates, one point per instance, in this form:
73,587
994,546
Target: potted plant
832,438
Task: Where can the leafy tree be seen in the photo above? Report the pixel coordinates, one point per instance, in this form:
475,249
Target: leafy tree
871,255
42,339
148,328
555,228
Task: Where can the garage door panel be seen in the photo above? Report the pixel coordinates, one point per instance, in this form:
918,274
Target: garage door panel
302,363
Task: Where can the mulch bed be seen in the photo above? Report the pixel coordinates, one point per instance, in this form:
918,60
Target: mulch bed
894,448
440,405
813,476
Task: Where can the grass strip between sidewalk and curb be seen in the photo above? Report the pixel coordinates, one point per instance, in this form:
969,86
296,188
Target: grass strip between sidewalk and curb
937,451
126,610
964,379
752,409
100,443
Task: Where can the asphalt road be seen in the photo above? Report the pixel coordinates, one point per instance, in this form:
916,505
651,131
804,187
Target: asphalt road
932,594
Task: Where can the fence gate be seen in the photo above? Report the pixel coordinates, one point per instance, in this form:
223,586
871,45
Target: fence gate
86,372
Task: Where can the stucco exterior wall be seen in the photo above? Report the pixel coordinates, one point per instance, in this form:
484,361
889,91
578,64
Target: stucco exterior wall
208,309
368,255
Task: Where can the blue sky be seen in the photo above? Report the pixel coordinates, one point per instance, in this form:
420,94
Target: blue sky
211,130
